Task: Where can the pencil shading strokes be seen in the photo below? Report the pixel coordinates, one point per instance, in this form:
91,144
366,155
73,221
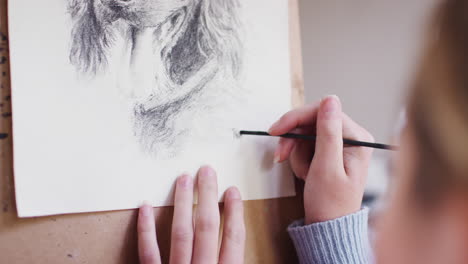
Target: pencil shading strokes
91,35
179,55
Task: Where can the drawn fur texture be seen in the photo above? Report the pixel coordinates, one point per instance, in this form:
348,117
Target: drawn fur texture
177,57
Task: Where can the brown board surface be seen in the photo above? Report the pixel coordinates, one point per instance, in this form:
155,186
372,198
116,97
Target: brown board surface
110,237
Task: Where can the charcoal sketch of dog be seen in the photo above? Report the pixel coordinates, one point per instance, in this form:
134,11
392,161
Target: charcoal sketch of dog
177,56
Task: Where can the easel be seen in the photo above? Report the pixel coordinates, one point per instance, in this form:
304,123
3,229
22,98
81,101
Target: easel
110,237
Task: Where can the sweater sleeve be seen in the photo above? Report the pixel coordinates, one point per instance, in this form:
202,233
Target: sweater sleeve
342,240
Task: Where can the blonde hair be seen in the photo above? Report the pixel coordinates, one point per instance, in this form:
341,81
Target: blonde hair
438,106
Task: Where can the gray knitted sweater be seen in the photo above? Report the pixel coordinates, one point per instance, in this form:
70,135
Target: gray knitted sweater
342,240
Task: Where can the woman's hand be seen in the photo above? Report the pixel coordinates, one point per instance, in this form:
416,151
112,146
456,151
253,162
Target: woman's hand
195,239
334,176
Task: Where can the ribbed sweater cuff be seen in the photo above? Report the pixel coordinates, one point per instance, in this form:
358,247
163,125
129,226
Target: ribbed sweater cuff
342,240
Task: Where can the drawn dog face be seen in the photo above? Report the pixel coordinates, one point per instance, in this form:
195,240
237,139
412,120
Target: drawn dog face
193,40
209,28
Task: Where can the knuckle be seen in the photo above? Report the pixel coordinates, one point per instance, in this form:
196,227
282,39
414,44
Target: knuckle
286,117
207,224
329,135
206,181
354,156
233,206
235,233
360,153
330,129
207,187
148,257
182,234
368,136
144,228
331,173
356,160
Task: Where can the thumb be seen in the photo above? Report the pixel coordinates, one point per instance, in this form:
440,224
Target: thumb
329,145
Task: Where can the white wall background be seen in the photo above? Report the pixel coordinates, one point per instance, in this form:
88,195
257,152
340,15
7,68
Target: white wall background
365,52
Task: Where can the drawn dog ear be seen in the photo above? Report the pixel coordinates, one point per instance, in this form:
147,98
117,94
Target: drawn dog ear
90,36
219,32
212,32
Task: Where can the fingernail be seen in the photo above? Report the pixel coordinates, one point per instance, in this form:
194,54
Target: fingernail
185,181
232,194
330,96
145,209
207,172
331,104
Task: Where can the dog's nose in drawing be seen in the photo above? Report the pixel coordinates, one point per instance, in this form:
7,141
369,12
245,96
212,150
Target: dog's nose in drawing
145,13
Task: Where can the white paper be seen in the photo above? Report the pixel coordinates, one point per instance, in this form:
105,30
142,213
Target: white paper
88,131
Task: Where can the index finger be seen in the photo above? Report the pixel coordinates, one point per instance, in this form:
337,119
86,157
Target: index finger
303,116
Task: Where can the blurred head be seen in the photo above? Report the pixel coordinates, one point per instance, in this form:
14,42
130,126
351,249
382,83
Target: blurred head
427,218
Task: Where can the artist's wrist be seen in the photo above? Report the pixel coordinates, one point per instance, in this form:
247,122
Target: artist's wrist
317,216
320,218
325,202
328,211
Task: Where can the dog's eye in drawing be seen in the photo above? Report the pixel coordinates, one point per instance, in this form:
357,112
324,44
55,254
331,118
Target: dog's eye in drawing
171,53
